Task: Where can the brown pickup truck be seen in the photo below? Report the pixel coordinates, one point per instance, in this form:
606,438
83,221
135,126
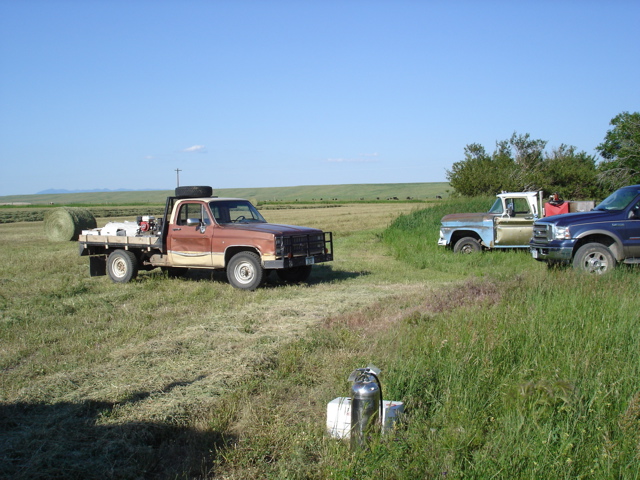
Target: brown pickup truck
202,231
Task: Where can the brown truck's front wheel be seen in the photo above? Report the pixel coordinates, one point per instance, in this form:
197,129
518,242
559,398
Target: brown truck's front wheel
245,271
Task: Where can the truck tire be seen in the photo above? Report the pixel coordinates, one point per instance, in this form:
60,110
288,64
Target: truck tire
122,266
295,274
467,245
245,271
192,192
594,258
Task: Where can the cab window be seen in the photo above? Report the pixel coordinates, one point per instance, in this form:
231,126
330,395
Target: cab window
193,210
520,206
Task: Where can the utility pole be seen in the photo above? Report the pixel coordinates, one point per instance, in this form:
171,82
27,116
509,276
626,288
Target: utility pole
178,177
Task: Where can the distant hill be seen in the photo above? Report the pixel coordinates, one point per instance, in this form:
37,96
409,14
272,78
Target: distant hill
55,191
305,193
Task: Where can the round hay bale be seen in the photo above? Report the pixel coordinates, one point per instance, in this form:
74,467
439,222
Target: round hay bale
66,223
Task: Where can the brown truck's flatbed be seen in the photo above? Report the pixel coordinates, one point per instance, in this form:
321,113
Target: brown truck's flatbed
120,241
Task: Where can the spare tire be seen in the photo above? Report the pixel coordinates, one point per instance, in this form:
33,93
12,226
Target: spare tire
200,191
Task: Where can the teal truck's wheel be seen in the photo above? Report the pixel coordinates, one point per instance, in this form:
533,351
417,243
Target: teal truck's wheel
245,271
467,245
122,266
594,258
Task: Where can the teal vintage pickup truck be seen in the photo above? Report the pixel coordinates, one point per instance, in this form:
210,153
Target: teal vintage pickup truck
507,224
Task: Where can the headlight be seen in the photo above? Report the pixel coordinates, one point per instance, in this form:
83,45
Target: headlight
561,233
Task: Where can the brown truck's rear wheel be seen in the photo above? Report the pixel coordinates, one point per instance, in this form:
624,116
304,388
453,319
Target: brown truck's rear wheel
122,266
245,271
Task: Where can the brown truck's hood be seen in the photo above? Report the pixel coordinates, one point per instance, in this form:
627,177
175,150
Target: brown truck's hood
272,228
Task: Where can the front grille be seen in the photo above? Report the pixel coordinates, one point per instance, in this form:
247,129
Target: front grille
303,245
541,233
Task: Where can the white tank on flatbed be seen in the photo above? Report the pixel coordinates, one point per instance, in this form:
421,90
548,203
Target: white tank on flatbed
120,229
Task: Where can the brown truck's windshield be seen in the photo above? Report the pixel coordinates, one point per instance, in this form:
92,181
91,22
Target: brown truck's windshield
235,211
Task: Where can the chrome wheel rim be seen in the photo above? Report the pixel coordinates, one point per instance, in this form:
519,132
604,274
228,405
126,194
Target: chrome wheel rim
244,272
595,263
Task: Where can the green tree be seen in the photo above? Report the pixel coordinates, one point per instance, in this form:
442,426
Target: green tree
571,174
521,164
621,152
528,156
478,173
514,165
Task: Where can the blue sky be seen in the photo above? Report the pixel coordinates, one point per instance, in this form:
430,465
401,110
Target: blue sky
247,93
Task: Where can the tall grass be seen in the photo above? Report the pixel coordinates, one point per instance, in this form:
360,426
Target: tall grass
538,379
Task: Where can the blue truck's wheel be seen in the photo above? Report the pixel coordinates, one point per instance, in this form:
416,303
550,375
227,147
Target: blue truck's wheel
122,266
245,271
467,245
594,258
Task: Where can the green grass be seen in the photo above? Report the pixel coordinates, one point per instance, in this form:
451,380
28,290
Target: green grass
506,369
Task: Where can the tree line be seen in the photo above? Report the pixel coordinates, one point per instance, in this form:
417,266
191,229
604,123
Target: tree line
521,163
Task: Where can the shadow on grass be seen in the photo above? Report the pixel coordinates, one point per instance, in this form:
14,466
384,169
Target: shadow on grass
320,274
65,440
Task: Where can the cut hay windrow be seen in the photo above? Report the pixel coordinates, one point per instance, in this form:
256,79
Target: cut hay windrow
66,223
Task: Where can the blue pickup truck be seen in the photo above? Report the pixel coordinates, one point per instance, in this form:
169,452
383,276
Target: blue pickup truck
593,241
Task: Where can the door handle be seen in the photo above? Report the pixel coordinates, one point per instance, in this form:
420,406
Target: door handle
176,229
